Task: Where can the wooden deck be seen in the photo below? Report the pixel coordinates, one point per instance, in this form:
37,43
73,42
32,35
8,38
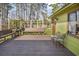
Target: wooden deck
32,46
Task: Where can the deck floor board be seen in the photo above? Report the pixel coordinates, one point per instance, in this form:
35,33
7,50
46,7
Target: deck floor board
32,47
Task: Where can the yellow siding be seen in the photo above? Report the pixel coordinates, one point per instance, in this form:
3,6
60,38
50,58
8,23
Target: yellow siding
70,42
63,17
61,25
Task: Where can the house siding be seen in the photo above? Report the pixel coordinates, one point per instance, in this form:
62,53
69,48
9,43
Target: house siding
61,25
70,42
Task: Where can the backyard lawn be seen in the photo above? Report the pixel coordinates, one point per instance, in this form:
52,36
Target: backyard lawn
48,31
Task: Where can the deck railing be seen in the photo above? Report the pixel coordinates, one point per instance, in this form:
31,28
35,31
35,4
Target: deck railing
10,35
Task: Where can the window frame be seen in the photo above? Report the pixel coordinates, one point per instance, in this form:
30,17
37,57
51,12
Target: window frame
75,20
69,18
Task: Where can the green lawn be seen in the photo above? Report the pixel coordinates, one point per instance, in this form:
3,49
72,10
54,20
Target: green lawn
48,31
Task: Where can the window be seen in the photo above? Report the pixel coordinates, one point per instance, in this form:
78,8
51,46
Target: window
73,22
77,28
0,15
77,17
0,10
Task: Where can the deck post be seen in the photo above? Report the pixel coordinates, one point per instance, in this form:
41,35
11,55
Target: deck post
37,23
42,23
30,23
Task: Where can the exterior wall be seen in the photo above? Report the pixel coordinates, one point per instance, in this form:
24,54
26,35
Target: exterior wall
72,43
62,17
61,25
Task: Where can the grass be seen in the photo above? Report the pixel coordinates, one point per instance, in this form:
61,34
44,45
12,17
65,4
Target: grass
33,33
48,31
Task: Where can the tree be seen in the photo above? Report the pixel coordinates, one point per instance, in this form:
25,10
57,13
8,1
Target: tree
9,6
54,6
32,11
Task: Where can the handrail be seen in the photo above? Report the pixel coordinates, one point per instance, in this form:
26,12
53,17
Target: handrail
13,35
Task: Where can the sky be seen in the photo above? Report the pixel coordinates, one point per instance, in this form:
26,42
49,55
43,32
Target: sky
49,10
